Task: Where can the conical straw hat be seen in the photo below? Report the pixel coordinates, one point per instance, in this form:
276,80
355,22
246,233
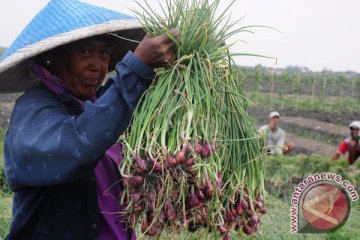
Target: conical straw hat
59,23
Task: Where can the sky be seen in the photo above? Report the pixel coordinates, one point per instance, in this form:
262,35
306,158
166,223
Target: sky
316,34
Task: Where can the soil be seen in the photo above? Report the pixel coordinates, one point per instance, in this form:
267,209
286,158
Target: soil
329,128
310,128
308,146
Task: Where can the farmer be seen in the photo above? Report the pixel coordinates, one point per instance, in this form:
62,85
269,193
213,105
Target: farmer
61,154
275,136
350,144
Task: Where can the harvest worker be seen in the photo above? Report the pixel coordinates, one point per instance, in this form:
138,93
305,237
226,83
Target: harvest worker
61,155
275,136
350,144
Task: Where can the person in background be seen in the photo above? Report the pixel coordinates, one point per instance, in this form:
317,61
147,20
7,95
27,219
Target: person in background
60,151
275,136
350,144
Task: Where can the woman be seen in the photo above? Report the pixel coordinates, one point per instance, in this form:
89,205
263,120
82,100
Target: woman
61,154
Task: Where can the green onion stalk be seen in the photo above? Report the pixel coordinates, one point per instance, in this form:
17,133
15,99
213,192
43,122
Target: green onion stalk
192,156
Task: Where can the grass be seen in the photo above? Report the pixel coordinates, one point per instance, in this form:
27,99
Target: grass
5,195
313,134
279,214
5,213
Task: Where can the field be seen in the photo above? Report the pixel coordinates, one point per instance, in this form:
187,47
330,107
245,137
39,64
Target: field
5,195
316,109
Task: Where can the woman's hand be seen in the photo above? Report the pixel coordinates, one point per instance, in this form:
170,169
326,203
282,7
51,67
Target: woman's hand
157,51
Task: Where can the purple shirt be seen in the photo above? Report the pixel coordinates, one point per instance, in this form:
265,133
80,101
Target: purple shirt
108,187
107,175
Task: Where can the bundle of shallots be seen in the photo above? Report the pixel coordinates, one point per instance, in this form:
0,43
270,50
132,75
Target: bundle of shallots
192,156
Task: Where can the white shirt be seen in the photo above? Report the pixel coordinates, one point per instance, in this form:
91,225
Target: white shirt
274,140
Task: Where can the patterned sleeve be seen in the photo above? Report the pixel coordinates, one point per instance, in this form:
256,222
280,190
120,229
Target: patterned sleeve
45,145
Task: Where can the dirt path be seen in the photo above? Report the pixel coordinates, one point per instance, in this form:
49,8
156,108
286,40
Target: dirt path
308,146
316,125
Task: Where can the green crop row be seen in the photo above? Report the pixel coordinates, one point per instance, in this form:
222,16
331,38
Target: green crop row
316,104
301,81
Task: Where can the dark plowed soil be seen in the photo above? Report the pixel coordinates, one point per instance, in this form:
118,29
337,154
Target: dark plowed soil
325,127
315,130
309,146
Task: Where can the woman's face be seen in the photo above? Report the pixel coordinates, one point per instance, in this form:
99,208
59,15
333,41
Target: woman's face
82,66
